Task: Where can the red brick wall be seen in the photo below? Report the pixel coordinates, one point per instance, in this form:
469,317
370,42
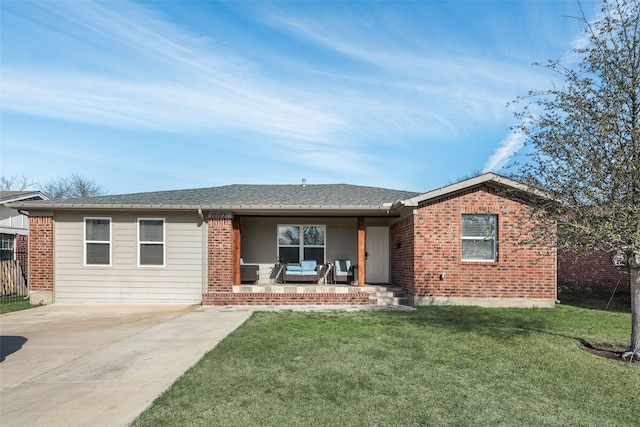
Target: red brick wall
593,270
266,299
402,254
220,253
521,271
41,253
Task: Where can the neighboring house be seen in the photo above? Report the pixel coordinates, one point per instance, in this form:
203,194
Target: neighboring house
14,226
460,244
594,270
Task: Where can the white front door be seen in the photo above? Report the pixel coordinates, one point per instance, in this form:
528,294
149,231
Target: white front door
377,255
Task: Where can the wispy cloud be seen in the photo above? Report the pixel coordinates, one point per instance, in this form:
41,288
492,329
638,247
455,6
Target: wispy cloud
205,90
342,89
507,148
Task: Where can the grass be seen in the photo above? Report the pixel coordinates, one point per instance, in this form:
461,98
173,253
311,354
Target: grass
454,366
8,307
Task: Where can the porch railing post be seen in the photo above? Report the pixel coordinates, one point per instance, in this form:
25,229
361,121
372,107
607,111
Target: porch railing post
361,252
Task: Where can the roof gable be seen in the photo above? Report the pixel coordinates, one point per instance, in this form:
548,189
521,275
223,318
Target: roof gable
16,196
487,178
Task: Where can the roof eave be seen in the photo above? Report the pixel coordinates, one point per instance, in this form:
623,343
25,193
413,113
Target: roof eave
472,182
239,208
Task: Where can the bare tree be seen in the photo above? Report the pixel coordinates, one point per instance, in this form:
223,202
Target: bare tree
71,186
14,183
584,137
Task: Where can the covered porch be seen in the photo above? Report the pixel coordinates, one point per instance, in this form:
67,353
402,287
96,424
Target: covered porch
271,244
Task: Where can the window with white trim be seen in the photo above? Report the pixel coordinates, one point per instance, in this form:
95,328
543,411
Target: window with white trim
479,237
7,247
301,242
151,243
97,241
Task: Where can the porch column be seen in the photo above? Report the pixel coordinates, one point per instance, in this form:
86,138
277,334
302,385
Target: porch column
237,239
220,252
361,251
41,258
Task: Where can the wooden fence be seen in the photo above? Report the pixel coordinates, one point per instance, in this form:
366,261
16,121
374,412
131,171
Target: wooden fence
12,279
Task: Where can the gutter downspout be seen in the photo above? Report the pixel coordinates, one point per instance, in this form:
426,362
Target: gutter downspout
205,255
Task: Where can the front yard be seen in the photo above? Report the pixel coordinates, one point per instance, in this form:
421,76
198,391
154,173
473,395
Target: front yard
434,366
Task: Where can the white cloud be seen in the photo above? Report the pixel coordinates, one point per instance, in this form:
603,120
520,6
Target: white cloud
505,151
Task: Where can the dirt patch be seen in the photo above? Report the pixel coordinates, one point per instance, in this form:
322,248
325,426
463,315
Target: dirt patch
606,350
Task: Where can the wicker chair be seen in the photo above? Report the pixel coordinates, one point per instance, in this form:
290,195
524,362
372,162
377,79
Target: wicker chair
249,272
342,271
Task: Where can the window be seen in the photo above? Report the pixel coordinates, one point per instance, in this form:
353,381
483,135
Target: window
479,237
301,242
151,242
97,241
7,247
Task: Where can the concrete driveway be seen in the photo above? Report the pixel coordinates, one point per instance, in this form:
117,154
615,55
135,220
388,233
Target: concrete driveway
100,365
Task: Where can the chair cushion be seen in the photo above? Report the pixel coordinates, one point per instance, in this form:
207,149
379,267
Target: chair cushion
294,273
343,265
291,268
308,265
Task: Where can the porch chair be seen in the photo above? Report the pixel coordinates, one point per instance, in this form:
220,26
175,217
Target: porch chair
342,271
249,272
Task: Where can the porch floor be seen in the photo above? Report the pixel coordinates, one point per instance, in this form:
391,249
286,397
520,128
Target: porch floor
303,288
379,295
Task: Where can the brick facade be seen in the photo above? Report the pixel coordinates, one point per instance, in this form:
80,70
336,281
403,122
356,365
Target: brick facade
593,270
522,271
402,253
220,253
268,299
41,258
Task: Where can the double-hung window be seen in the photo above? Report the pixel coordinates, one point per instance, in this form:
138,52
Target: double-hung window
479,237
7,247
151,242
97,241
301,242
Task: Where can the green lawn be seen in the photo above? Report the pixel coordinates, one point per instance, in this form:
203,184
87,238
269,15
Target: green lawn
453,366
8,307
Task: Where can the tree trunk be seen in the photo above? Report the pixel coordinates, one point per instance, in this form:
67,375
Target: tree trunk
634,273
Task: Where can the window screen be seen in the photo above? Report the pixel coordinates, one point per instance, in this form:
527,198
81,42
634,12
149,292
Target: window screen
479,237
151,242
97,241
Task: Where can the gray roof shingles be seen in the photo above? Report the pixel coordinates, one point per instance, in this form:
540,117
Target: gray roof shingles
333,195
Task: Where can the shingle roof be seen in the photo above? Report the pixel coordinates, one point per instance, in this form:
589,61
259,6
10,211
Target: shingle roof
247,196
12,196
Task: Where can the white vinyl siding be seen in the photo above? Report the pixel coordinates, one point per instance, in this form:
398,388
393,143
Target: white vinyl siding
97,241
151,242
180,281
479,237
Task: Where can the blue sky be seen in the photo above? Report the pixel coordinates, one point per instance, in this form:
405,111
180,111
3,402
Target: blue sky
158,95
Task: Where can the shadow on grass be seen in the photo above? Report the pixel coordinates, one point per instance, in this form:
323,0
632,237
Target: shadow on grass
618,302
501,324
